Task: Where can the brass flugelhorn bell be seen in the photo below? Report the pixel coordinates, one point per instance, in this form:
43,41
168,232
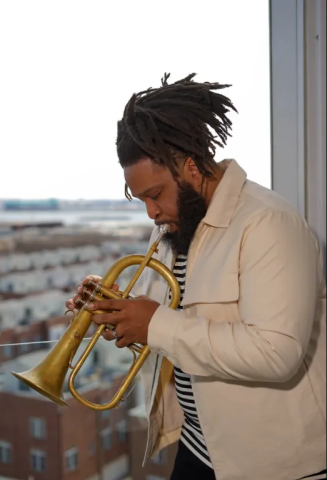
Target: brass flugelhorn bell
48,376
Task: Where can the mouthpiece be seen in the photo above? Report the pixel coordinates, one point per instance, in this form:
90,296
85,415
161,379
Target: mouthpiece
163,230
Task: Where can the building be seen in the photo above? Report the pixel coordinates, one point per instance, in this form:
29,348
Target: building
42,440
161,466
7,242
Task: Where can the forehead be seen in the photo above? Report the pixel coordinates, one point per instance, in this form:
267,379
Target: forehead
144,175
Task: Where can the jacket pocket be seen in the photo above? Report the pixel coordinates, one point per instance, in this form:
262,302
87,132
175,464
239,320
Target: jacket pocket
223,289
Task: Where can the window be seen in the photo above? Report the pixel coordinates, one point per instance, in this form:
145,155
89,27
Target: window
37,339
23,387
5,452
92,448
28,313
38,460
106,437
8,351
24,347
38,428
105,414
71,459
122,431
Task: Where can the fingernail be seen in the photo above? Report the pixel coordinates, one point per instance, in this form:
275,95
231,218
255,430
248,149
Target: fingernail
79,288
91,306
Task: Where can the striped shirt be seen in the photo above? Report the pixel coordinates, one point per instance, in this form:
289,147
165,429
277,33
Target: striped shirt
191,435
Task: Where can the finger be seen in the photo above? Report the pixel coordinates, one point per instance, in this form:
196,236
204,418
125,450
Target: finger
109,304
116,335
109,318
92,278
81,290
70,305
122,343
108,335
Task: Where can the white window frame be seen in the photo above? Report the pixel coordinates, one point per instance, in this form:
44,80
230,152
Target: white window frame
5,452
121,428
298,107
71,459
106,433
38,428
287,100
40,457
315,46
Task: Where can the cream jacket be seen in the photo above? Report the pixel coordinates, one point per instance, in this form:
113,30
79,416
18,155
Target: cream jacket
252,335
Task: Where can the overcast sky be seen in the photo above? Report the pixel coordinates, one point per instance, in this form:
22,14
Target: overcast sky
69,67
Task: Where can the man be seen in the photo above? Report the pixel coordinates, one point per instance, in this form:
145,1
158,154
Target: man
237,374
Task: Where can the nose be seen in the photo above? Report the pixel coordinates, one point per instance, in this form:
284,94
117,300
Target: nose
152,209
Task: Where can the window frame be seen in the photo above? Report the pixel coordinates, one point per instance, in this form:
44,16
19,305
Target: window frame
298,107
122,430
5,452
40,456
71,453
287,100
106,432
38,428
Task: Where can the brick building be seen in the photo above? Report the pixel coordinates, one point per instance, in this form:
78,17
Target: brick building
40,440
50,329
159,468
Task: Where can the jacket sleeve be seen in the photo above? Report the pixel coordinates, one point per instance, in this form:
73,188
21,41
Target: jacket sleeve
279,284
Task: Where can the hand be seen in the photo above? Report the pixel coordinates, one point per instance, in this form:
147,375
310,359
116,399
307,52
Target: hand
131,319
71,305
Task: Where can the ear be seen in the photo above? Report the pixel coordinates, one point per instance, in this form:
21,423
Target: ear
191,173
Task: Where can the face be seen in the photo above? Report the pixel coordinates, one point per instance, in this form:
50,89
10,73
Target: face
180,205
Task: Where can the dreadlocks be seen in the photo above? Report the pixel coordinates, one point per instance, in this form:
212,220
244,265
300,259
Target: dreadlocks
184,119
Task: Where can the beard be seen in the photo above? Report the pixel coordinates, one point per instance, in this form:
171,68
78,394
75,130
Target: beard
191,209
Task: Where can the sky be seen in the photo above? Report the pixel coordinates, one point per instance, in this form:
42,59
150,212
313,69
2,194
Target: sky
69,67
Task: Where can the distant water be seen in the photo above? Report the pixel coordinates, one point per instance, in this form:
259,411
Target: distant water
77,217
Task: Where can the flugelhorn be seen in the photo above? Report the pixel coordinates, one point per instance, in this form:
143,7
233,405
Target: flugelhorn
48,376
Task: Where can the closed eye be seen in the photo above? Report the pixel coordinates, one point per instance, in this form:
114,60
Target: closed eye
155,197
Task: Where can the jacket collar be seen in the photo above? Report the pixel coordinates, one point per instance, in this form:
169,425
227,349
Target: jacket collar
226,195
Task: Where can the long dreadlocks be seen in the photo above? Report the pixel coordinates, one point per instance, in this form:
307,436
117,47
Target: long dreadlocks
184,119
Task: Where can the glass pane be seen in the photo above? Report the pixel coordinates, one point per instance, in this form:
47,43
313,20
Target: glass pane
68,69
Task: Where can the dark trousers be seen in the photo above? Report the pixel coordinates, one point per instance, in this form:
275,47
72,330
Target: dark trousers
189,467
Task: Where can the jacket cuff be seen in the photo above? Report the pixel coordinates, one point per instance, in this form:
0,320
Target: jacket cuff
162,330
